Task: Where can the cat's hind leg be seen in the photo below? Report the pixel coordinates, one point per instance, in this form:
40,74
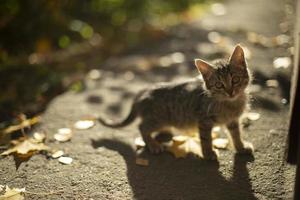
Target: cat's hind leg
147,128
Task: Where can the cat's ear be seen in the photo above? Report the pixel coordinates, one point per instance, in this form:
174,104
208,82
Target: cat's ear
204,68
237,59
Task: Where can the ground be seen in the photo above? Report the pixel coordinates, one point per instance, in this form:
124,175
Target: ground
104,159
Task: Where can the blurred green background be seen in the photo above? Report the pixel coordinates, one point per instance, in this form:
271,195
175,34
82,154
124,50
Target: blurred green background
40,38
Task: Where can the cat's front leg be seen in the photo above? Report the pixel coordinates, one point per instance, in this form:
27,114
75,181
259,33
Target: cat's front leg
206,141
240,146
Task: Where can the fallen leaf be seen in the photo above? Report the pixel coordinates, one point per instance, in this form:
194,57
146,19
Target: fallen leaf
142,162
65,160
220,143
13,194
26,147
179,139
40,137
84,124
57,154
24,124
63,135
181,146
253,116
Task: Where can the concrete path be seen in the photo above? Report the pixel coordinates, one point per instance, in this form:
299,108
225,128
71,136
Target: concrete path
104,159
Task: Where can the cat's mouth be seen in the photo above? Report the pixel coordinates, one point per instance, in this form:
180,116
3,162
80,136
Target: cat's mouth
230,97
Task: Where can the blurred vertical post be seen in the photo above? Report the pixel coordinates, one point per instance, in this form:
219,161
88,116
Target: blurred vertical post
293,149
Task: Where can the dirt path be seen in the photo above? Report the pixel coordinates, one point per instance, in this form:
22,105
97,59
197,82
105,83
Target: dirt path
104,159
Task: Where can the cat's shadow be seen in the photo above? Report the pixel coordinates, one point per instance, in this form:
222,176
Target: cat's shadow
184,179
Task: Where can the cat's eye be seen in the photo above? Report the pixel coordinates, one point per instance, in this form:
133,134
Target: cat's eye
235,79
219,85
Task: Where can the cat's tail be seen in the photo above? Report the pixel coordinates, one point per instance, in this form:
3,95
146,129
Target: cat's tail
129,119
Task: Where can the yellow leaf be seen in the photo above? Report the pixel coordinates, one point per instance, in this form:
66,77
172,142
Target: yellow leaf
13,194
181,146
22,125
25,147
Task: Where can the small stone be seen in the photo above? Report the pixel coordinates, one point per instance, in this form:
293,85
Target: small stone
218,9
65,160
94,74
57,154
214,37
282,62
129,76
253,116
284,101
39,137
220,143
84,124
272,83
177,57
63,135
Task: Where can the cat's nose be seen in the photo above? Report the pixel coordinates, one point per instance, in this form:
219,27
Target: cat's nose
231,93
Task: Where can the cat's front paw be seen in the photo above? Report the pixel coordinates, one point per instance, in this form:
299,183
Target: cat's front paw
155,147
210,155
246,149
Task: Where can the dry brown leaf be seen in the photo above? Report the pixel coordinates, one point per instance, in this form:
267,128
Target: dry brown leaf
13,194
25,147
63,135
142,162
65,160
24,124
84,124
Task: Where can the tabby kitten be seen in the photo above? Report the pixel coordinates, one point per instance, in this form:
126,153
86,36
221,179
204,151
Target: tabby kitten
218,98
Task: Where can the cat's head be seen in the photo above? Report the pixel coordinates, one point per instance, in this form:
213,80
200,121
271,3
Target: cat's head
226,79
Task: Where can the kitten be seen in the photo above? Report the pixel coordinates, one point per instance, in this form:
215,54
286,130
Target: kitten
219,98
